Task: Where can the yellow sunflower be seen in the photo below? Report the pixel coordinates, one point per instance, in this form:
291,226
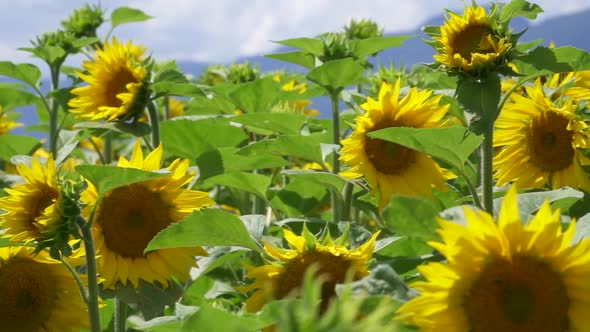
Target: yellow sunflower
38,293
541,141
468,42
299,106
129,217
388,167
285,275
31,206
505,276
6,124
115,79
176,107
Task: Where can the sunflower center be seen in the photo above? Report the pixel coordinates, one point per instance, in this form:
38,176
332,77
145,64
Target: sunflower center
130,217
44,197
388,157
117,85
550,143
472,40
28,294
523,295
332,268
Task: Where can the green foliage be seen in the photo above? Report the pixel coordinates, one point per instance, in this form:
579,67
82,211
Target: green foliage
12,145
336,75
124,15
26,72
107,178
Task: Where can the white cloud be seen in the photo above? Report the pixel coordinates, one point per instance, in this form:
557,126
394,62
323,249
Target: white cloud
223,30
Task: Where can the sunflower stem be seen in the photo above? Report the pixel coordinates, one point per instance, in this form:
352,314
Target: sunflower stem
53,112
81,286
336,209
348,189
94,313
472,190
487,183
120,320
155,122
108,148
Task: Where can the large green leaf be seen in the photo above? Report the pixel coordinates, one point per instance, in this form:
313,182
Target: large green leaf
209,227
300,198
123,15
177,89
412,217
12,95
450,144
256,184
107,178
338,74
329,180
517,8
11,145
313,46
528,203
191,138
543,61
281,123
369,46
25,72
298,57
209,318
306,147
226,160
137,129
257,96
480,97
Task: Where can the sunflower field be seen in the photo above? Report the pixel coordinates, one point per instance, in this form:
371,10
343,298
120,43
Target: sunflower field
448,197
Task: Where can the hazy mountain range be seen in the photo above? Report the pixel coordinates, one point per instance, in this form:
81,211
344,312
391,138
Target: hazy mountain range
565,30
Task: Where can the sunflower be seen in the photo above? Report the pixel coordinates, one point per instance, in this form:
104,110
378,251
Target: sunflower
129,217
38,293
504,276
299,106
115,78
388,167
176,107
285,275
6,124
468,42
541,141
32,205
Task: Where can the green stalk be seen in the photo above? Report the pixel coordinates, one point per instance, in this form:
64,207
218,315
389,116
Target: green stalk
94,313
108,149
155,122
472,190
53,112
120,320
487,182
81,286
348,189
336,208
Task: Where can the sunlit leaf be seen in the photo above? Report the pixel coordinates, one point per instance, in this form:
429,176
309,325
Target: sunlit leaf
517,8
209,318
11,145
25,72
368,46
226,160
256,184
106,178
208,227
411,216
306,147
543,61
329,180
528,203
338,74
123,15
275,122
137,129
480,97
298,57
311,45
257,96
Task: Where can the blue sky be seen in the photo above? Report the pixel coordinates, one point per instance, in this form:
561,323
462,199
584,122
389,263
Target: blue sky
222,30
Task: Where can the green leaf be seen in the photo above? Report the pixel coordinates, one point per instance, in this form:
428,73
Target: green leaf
123,15
306,147
300,198
209,318
86,41
298,57
149,299
528,203
11,96
338,74
544,61
106,178
190,138
369,46
311,45
582,229
256,184
47,53
517,8
480,97
257,96
281,123
177,89
450,144
329,180
171,75
11,145
209,227
413,217
137,129
4,242
25,72
226,160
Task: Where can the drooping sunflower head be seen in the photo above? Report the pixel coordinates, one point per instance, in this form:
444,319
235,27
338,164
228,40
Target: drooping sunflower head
127,218
542,142
38,293
504,276
388,167
285,272
468,42
116,84
6,123
32,205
